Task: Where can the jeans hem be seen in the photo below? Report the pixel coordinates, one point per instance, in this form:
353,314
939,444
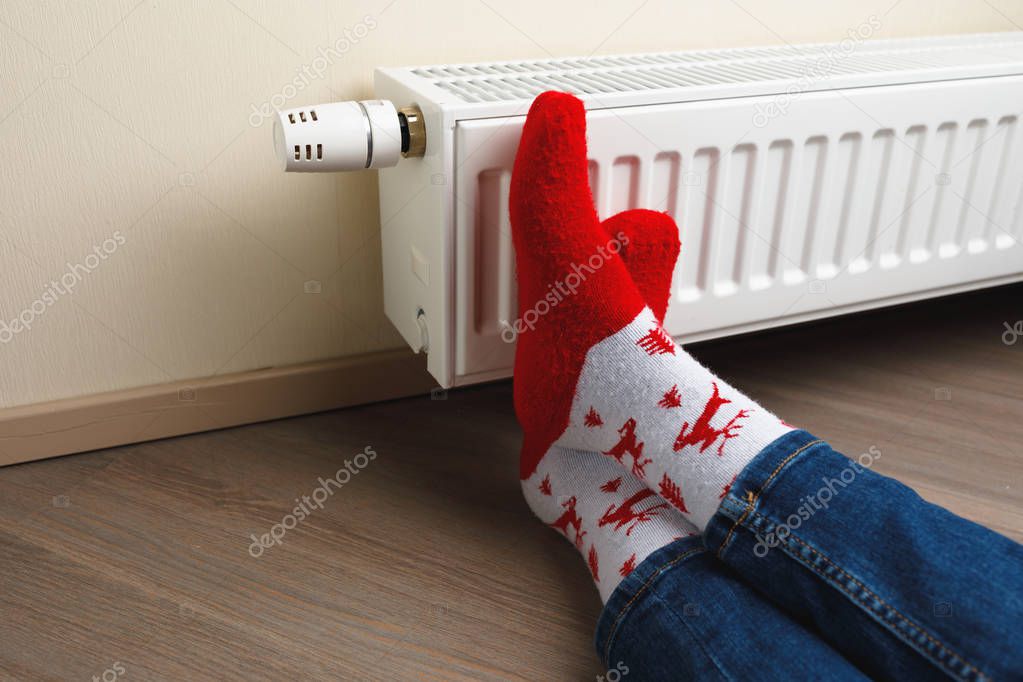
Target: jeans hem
637,585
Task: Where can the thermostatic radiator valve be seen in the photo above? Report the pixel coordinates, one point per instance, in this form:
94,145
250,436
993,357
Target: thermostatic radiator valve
343,136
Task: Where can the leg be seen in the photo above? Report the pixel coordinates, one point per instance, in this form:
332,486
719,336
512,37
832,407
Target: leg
598,374
903,587
681,615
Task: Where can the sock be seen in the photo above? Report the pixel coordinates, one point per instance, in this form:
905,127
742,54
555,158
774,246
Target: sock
612,518
596,372
666,419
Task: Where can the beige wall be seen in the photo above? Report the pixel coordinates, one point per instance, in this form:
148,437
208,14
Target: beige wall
130,149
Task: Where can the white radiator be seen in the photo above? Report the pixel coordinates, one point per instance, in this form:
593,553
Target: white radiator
807,181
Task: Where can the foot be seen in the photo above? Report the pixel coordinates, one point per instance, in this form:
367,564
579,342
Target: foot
597,372
611,517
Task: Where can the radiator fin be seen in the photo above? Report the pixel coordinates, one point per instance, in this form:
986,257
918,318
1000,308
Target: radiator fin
911,190
495,255
944,208
510,81
756,213
759,212
664,185
1001,221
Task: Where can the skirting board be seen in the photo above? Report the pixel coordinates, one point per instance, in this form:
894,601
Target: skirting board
134,415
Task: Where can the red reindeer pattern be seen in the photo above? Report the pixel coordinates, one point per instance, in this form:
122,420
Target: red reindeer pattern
612,485
569,518
705,435
628,566
628,443
592,419
671,399
672,492
545,485
627,516
591,559
657,342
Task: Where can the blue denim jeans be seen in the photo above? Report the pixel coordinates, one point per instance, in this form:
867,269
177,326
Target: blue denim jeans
816,567
683,615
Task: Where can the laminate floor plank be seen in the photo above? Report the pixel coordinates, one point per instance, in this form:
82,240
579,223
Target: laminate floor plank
426,563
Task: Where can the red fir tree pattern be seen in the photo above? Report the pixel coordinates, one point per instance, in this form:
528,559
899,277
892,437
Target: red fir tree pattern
570,519
628,566
627,516
705,435
671,492
612,485
671,399
592,419
629,444
728,487
591,559
545,485
657,342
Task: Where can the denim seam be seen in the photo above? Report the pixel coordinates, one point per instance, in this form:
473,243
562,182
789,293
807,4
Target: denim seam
732,507
613,634
751,496
866,607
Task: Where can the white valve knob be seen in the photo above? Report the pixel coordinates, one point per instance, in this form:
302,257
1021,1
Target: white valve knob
339,136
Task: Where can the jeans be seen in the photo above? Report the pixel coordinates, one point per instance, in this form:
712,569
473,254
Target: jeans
816,567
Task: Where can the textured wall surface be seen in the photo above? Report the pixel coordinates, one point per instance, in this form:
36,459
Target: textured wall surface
146,232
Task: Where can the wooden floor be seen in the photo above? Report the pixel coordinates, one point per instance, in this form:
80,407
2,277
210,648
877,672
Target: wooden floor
427,564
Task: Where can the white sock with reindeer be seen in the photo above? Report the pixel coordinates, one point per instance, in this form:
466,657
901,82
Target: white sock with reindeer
610,516
598,379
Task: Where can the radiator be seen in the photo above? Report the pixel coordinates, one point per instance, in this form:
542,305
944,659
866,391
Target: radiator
807,181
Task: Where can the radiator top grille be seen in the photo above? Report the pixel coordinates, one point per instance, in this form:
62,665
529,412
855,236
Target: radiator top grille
811,66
